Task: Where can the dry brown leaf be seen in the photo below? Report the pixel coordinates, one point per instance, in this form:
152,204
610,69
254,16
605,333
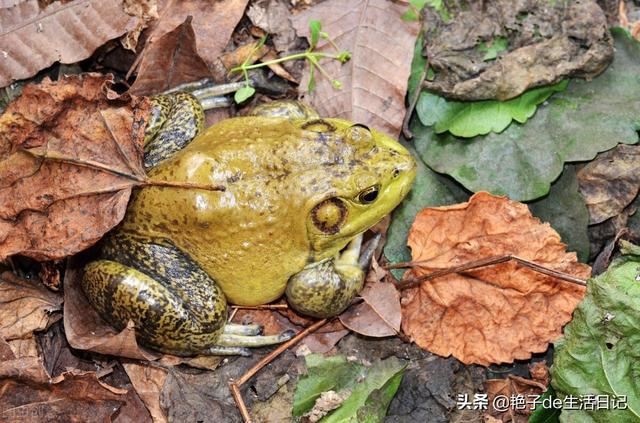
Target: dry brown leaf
86,330
609,183
148,381
375,79
27,392
378,315
238,56
213,23
169,61
493,314
145,11
68,159
513,387
25,306
272,16
32,38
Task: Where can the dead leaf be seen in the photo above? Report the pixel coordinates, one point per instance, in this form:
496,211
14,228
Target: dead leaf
213,23
26,347
70,133
514,387
610,182
25,307
145,11
238,56
493,314
374,81
26,392
32,38
272,16
378,315
148,381
545,43
169,61
86,330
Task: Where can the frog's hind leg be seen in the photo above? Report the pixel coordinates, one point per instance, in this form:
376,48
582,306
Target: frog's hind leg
175,120
175,306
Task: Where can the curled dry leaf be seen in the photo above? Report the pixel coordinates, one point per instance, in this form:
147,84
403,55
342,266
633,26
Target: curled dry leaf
213,24
609,183
148,381
512,387
374,81
493,314
69,156
86,330
169,61
27,392
378,315
34,37
25,307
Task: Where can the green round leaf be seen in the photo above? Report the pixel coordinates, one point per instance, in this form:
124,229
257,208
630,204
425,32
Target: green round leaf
244,93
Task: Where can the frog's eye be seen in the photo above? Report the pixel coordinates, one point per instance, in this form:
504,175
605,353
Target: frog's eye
369,195
360,132
329,215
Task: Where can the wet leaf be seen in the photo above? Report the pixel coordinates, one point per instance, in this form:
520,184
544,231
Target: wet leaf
213,24
374,81
610,182
565,210
367,391
34,37
493,314
25,307
378,315
169,61
472,118
575,125
70,155
599,353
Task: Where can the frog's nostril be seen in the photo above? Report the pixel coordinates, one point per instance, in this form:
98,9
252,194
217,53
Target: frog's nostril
396,172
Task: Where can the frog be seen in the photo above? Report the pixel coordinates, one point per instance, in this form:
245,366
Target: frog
299,192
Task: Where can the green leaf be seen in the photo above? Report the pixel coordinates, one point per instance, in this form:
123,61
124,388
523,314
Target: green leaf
565,210
314,30
599,353
492,49
244,93
429,190
372,388
471,118
417,64
312,78
409,15
544,413
523,160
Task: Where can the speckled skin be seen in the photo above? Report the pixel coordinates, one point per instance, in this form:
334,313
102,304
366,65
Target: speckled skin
298,190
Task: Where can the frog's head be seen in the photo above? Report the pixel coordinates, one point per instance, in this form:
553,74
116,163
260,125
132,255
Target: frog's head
365,175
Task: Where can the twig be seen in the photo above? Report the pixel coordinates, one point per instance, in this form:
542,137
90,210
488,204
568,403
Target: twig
234,386
415,95
179,184
411,282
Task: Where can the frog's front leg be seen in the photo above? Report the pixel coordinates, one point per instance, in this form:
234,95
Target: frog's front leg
175,306
327,288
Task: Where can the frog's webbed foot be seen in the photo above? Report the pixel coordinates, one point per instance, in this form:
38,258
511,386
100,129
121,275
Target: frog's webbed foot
327,288
235,339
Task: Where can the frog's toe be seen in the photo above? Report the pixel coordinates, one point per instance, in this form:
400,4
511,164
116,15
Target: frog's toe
224,350
236,329
233,340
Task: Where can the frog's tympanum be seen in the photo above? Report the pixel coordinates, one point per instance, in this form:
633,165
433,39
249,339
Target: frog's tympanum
300,191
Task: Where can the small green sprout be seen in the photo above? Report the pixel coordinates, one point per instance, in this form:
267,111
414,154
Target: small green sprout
316,33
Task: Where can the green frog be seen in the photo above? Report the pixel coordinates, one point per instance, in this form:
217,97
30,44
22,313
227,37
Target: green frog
300,191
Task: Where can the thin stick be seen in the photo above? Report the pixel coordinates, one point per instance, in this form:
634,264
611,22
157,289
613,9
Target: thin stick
411,282
234,386
415,95
179,184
